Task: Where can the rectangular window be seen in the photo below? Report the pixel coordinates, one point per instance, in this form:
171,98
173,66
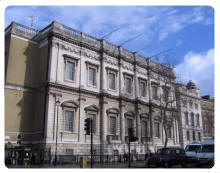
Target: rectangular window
192,119
187,135
199,136
186,118
68,121
169,131
156,130
154,92
165,94
184,104
93,117
196,106
190,104
144,129
70,70
111,80
69,151
129,124
206,129
112,125
128,85
92,76
142,88
194,136
197,120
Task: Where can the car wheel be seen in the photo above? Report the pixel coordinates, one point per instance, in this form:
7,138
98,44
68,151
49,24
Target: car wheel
166,165
184,165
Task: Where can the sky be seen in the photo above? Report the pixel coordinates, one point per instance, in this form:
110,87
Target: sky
184,33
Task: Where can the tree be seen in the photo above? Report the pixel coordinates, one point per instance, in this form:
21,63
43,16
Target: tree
166,100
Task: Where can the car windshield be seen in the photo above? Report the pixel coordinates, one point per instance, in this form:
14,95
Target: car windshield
207,148
192,148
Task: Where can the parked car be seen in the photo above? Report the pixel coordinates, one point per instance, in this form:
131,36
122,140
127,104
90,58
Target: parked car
168,157
205,155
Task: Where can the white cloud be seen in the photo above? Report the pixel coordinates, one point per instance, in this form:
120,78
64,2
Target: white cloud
198,67
157,22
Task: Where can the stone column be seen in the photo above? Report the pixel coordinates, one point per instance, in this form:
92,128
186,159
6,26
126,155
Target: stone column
122,121
136,100
101,102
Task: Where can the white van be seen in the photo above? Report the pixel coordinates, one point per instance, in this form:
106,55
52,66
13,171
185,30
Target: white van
205,155
192,149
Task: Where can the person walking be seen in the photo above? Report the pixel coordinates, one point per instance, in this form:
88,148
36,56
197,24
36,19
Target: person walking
16,158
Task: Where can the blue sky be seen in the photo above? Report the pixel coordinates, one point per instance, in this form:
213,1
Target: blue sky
188,31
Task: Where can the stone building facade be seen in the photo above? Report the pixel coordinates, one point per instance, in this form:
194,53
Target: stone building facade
207,106
191,127
57,77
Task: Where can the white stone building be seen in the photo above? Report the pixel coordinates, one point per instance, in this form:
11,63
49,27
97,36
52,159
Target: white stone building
68,76
190,113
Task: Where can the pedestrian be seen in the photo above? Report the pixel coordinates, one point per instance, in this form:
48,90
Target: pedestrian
16,158
137,156
146,156
13,157
125,157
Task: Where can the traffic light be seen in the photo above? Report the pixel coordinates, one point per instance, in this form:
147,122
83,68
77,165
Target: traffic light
131,136
87,126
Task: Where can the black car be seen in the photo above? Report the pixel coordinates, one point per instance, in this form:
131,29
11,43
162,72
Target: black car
167,157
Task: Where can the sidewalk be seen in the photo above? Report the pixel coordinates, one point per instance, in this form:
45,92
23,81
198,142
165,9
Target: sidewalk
139,164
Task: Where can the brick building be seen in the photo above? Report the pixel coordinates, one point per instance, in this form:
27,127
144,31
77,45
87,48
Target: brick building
207,106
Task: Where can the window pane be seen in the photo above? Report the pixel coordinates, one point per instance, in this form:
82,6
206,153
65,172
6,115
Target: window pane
111,80
129,123
190,104
168,131
156,129
186,118
68,121
187,135
206,129
92,116
142,89
154,92
165,94
199,136
92,75
184,103
196,106
70,70
192,119
128,85
197,120
194,137
144,128
113,125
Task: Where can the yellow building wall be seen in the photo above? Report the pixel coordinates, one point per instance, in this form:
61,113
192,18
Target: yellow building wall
26,68
19,113
22,63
